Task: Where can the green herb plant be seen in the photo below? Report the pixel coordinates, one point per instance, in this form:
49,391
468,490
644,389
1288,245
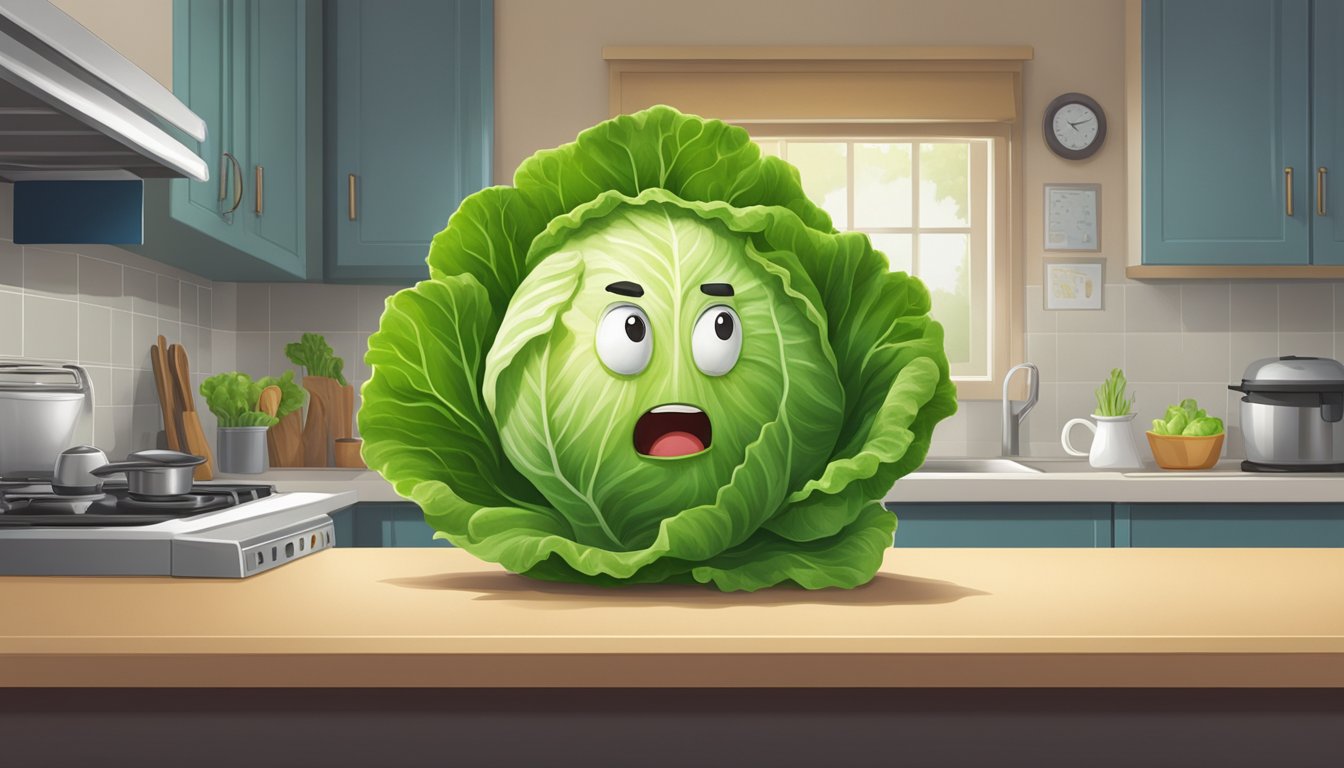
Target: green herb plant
1188,420
292,396
653,359
1111,397
316,356
232,397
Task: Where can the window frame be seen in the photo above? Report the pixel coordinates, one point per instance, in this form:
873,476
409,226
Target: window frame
689,79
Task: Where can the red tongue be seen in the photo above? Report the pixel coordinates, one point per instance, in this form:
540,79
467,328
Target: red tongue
676,444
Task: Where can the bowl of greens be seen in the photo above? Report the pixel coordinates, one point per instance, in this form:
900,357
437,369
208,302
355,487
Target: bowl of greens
1187,437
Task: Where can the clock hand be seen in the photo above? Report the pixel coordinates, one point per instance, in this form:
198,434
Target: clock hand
1080,122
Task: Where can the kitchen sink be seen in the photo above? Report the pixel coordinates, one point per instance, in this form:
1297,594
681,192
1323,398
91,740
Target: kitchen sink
998,466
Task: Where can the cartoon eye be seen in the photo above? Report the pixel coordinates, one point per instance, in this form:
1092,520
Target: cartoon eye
625,340
716,341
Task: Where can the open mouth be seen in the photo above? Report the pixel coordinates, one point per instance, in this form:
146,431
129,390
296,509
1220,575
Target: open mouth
672,430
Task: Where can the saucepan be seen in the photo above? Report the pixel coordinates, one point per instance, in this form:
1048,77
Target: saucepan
154,473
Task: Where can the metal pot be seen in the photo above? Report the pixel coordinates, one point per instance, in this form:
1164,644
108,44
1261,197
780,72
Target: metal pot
1292,414
154,473
74,471
40,406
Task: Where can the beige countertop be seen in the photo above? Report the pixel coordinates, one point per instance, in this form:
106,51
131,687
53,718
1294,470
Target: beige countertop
950,617
1063,480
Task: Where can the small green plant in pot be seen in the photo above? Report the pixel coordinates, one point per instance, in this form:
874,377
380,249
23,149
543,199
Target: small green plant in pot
1111,397
232,397
1113,445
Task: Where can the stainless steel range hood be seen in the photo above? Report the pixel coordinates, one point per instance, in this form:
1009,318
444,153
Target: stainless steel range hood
71,107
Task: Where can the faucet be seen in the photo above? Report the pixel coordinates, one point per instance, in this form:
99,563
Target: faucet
1014,413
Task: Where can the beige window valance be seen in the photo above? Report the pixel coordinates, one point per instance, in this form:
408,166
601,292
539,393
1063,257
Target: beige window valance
965,85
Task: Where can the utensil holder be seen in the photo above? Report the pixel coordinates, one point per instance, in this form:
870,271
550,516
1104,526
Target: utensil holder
242,450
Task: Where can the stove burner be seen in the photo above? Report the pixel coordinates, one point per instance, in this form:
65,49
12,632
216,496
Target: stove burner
36,506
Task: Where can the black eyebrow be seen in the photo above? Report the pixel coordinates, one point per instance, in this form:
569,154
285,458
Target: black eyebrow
716,289
626,288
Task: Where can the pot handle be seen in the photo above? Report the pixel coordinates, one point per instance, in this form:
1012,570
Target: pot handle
1332,406
118,467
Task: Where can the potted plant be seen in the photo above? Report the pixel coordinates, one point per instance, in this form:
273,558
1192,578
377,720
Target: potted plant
1113,445
330,397
232,397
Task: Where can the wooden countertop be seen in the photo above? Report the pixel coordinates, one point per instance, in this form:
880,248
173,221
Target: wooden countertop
951,617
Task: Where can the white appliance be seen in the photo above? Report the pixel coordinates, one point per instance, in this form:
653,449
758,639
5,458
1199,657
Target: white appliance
74,108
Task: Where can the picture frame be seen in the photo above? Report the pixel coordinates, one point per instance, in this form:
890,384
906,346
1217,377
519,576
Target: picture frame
1073,283
1072,217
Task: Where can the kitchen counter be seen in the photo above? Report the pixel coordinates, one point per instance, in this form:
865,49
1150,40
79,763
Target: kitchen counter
932,618
1061,480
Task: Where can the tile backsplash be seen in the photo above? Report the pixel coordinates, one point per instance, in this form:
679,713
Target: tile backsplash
1174,340
103,308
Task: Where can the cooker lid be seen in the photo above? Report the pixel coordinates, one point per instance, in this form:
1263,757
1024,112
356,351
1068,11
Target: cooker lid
1291,373
38,378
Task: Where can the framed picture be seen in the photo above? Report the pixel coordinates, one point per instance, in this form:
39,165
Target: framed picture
1074,283
1072,217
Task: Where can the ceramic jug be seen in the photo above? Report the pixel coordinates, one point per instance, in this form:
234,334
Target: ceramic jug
1113,445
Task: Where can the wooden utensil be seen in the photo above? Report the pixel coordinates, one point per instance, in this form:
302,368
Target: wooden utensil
167,396
346,417
315,438
284,441
269,402
327,390
192,431
347,453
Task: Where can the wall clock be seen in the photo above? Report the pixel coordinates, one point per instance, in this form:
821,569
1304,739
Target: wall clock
1075,126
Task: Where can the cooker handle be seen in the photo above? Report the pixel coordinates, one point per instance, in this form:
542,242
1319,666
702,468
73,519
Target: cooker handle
1332,406
117,467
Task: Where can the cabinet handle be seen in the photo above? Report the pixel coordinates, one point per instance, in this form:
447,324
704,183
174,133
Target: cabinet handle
1288,190
350,193
1320,191
223,176
237,183
261,181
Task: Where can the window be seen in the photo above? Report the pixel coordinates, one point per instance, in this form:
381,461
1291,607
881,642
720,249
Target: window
925,203
920,148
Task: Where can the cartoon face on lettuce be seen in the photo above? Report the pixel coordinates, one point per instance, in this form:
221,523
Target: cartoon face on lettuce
653,360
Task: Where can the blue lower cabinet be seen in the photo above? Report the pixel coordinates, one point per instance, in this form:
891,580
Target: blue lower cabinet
1230,525
1002,525
384,524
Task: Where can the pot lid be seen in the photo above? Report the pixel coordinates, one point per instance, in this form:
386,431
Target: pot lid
165,458
1300,372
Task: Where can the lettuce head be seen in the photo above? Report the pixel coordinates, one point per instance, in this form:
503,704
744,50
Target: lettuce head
652,359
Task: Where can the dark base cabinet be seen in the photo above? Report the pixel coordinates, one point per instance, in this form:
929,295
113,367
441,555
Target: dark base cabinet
384,524
1229,525
989,524
1002,525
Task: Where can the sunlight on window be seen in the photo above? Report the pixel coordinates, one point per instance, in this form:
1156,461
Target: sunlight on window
931,235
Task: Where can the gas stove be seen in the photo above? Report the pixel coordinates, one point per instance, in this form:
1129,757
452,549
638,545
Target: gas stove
214,530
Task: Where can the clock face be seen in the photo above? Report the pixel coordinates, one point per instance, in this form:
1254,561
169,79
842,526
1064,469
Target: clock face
1075,126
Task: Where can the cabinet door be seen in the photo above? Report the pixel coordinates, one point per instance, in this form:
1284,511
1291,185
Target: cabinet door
1002,525
410,118
1225,111
1327,133
1236,525
275,205
203,80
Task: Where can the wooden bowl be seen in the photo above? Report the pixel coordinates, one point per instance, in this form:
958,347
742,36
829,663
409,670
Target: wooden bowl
1181,452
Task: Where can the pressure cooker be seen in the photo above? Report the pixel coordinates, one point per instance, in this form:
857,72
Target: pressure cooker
1292,414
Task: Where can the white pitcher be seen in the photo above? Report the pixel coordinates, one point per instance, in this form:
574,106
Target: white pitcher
1113,444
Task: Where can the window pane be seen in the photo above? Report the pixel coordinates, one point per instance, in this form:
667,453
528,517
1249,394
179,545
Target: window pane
769,148
882,185
825,176
944,266
944,187
898,249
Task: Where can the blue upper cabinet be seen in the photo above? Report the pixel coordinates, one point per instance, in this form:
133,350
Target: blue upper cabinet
1225,132
410,122
252,70
1327,132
